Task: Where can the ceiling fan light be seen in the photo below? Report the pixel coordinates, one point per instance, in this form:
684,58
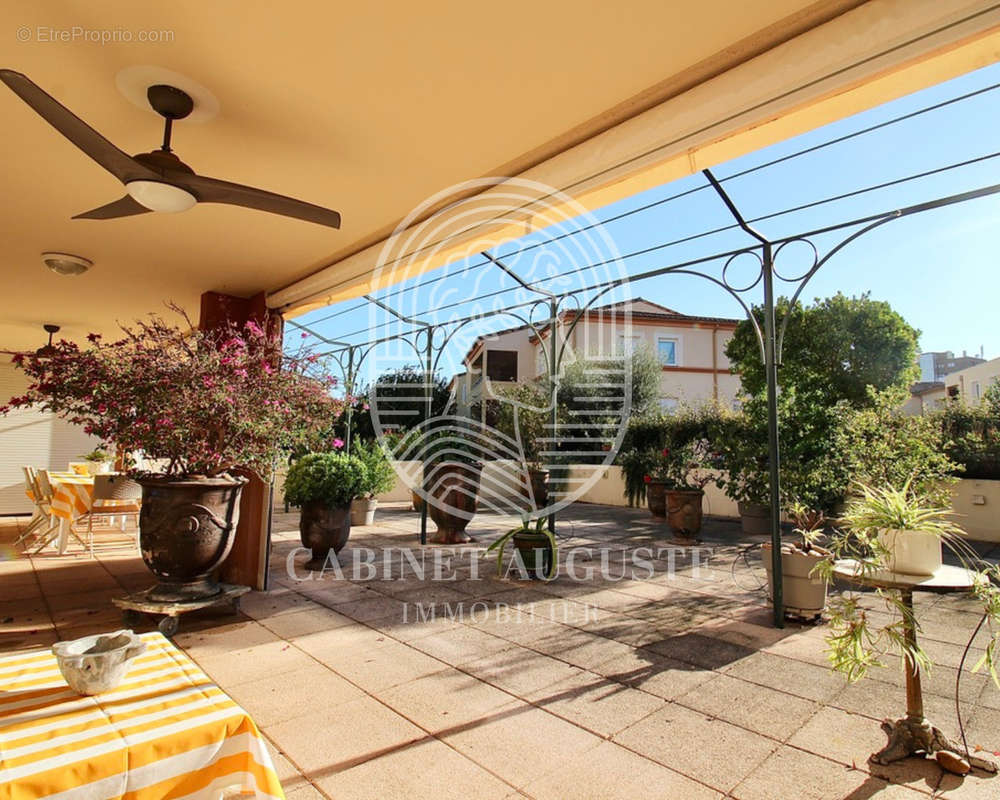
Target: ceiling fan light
66,263
157,196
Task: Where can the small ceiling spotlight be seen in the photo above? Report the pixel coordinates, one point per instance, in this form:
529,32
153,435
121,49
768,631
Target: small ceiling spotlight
66,263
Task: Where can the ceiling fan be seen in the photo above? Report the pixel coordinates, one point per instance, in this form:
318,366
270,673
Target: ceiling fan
158,180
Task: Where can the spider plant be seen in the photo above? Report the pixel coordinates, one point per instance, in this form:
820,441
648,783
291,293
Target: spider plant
540,528
901,509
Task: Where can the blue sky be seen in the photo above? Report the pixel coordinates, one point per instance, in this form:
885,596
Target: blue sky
938,269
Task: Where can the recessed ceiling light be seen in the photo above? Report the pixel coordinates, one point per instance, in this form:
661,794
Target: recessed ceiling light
66,263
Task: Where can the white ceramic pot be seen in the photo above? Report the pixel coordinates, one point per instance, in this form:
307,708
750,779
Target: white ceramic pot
96,664
912,552
99,467
363,511
804,595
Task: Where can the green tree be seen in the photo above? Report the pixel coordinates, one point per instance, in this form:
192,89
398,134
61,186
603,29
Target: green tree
837,347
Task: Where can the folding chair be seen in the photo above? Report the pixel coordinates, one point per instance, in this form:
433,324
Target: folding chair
41,515
114,496
43,497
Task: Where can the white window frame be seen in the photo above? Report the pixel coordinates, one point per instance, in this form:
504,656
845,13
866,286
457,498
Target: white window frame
636,342
678,341
677,350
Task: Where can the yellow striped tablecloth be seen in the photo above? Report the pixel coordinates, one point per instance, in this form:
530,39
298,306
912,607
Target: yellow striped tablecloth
167,732
72,494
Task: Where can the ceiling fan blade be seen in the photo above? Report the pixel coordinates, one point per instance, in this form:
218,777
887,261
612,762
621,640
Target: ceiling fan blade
115,161
212,190
124,207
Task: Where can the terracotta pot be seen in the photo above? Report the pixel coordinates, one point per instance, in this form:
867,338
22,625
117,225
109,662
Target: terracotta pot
684,512
535,550
187,526
452,488
803,596
755,520
656,496
363,511
323,528
538,480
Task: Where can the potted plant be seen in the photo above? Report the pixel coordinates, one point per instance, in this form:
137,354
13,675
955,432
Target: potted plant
804,590
536,546
740,442
683,472
98,461
379,477
323,486
522,418
451,482
204,403
904,525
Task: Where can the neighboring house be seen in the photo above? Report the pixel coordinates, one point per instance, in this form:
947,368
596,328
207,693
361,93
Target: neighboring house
691,351
971,383
924,396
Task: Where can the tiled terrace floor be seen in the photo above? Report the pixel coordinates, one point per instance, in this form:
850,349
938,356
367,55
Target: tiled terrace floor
659,685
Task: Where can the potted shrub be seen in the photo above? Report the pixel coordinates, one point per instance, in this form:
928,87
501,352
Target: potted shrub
379,477
904,525
202,403
323,486
536,546
522,418
98,461
740,442
804,590
683,472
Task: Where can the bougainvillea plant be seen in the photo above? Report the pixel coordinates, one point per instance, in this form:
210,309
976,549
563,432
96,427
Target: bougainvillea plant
199,402
685,467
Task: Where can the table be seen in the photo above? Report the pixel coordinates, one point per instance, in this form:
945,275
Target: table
913,733
166,732
72,497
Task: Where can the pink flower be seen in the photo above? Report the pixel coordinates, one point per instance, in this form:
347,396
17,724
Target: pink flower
646,479
337,444
268,368
254,328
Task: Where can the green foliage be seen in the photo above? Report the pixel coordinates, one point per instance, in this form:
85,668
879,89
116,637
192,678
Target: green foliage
390,388
677,447
885,447
522,417
600,386
380,476
837,347
331,478
97,454
887,507
972,435
740,439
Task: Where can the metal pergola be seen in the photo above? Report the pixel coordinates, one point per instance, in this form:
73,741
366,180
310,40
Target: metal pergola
428,340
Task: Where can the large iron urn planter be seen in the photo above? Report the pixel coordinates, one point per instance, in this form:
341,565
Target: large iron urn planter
452,488
656,496
684,512
323,528
187,527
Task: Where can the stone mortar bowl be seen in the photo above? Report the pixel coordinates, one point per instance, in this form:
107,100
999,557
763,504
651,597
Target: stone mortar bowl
98,663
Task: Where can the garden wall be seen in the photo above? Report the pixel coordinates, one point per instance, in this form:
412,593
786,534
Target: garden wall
977,502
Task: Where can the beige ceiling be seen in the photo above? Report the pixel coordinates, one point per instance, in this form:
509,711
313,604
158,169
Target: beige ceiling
367,108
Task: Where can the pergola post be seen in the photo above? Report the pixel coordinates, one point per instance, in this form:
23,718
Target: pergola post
247,564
